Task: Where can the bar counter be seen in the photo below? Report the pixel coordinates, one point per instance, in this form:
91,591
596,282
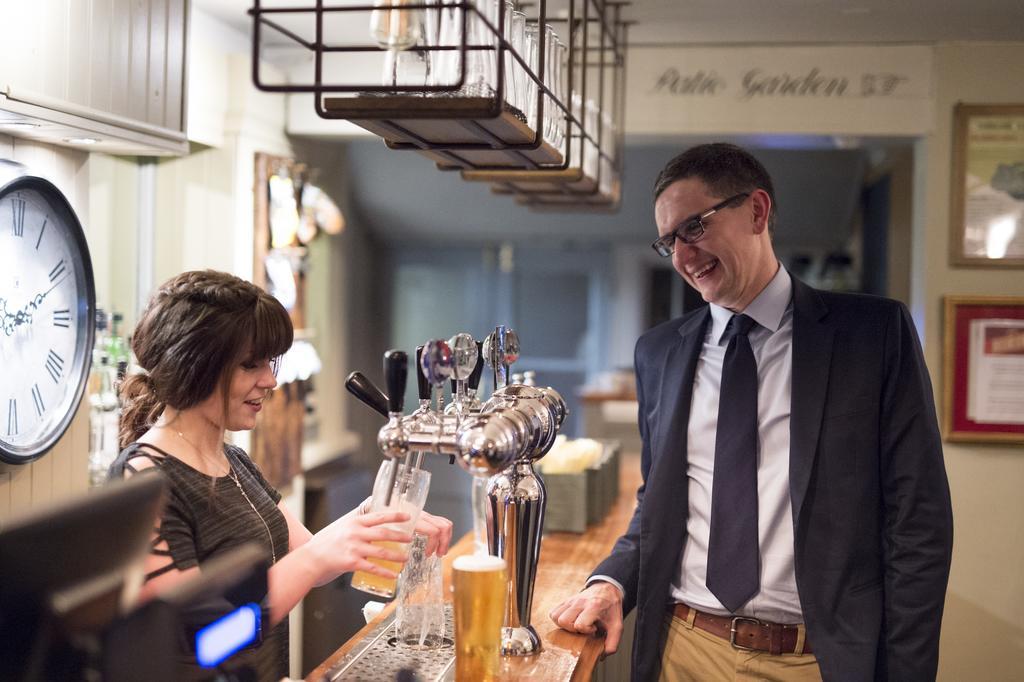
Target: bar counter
566,560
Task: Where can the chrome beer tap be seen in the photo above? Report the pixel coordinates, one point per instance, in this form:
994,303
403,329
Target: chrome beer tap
422,417
500,440
392,439
501,349
467,370
434,362
473,383
481,445
424,414
516,497
437,365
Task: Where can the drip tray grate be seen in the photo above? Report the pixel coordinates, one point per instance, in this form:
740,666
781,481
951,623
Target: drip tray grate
381,657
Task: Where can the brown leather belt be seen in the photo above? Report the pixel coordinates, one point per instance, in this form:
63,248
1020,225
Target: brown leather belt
749,634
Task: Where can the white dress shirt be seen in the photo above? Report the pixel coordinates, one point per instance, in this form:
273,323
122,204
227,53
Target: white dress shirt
772,343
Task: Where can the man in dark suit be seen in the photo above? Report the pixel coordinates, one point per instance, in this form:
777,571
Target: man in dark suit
794,521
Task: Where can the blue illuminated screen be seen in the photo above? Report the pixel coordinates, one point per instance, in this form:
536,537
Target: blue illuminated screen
219,640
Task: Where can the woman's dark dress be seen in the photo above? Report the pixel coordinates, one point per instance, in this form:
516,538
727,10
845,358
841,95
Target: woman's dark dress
205,517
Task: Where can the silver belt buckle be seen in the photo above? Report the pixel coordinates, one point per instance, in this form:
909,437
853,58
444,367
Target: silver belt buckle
732,632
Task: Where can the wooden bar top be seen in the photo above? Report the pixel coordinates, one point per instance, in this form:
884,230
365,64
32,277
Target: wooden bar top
604,396
566,560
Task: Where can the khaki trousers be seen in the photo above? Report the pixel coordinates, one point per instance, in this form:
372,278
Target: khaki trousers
691,655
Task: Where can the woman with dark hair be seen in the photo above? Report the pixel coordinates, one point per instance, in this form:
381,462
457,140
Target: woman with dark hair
208,343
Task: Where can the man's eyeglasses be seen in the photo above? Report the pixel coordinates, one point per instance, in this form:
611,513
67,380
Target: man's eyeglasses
693,228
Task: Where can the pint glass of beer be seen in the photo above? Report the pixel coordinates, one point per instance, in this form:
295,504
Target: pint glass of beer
408,495
478,582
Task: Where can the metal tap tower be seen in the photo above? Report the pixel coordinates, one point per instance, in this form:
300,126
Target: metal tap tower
499,438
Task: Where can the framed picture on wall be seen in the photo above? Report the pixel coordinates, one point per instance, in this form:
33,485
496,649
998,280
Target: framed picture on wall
984,369
987,194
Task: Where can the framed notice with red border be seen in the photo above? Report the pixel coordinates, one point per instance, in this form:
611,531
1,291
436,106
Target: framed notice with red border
984,369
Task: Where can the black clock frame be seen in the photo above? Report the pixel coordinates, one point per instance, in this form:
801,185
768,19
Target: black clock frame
86,305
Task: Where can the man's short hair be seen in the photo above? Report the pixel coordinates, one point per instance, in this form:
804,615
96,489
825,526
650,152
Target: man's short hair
725,168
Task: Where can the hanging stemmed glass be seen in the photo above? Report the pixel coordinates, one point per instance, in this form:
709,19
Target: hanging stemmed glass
608,172
554,68
513,31
482,58
590,153
531,38
447,62
431,38
396,29
561,53
517,75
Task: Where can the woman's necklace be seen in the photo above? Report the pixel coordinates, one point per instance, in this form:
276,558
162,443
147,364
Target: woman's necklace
238,484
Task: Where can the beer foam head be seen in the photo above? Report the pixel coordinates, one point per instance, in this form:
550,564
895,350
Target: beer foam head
478,562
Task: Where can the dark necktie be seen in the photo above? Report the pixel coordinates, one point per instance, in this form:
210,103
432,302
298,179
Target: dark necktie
733,559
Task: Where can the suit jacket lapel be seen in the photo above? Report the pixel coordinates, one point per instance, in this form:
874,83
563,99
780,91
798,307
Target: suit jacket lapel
663,522
812,353
677,388
678,367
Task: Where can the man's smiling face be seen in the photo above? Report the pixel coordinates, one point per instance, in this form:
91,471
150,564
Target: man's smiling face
728,265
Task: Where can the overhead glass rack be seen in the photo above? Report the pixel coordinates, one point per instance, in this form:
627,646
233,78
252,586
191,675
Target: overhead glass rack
479,86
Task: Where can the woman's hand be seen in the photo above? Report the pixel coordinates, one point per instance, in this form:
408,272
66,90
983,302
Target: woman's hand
438,531
349,543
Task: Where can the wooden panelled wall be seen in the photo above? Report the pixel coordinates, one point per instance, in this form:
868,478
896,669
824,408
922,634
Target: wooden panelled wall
63,471
120,57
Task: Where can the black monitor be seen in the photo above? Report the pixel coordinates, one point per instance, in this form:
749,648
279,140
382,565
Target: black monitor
68,579
195,629
67,572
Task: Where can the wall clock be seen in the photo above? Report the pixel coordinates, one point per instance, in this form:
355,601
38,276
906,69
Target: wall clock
47,305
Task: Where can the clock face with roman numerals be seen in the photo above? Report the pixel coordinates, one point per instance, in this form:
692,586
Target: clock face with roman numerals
47,303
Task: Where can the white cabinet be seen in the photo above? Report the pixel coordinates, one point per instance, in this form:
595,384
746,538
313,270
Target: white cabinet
110,70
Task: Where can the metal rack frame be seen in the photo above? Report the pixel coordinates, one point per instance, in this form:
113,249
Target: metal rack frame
484,131
562,195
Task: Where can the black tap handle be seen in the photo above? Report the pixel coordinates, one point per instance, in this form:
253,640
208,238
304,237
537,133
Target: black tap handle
396,372
367,393
421,379
478,371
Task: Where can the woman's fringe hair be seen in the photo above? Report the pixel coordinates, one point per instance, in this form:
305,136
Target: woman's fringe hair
197,327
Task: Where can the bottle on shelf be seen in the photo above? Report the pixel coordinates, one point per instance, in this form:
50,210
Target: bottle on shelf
103,404
99,344
117,347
